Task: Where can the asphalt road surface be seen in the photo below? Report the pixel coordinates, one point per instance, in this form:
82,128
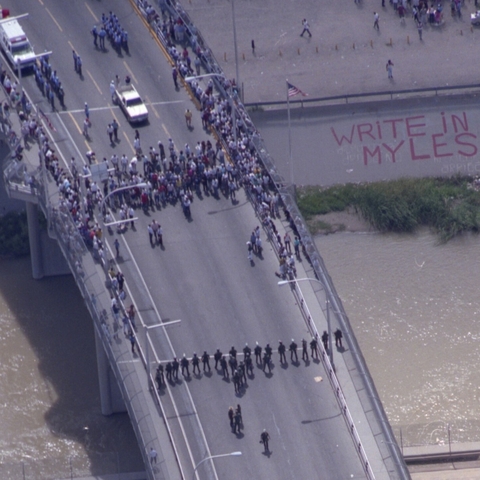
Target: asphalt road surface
202,276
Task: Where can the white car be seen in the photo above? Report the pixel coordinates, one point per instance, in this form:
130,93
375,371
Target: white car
475,18
127,97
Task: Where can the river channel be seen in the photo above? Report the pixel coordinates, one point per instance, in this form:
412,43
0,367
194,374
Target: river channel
52,426
415,309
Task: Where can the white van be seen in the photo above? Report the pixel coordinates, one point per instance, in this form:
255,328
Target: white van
15,44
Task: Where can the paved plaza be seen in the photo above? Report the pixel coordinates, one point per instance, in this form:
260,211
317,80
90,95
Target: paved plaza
345,53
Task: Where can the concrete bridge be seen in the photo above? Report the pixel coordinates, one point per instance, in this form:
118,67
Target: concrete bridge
126,381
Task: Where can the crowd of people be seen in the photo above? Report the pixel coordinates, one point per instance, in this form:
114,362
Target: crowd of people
236,369
48,82
112,30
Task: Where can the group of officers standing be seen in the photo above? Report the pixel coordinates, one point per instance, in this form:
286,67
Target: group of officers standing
239,369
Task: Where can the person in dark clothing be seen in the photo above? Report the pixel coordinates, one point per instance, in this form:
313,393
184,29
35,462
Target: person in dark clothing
237,422
206,361
249,365
314,347
293,351
223,364
268,350
233,352
184,364
168,369
258,353
176,366
325,340
338,338
195,363
304,350
241,370
247,351
266,362
281,351
264,438
236,381
232,361
159,376
217,357
231,414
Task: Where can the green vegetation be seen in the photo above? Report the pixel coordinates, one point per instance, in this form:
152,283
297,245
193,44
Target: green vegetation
14,234
448,205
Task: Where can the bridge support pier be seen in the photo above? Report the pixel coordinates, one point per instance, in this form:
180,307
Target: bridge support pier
34,239
111,399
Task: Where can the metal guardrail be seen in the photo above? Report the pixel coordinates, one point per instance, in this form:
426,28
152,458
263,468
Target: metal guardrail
210,65
389,94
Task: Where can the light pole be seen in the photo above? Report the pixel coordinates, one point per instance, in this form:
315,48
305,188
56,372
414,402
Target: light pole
230,100
329,326
120,189
147,350
233,454
236,50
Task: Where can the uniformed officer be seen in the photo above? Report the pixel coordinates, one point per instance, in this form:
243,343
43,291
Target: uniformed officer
266,362
249,365
268,351
258,353
217,356
159,376
196,363
233,352
304,350
175,368
185,363
314,346
232,361
206,361
168,369
264,438
281,351
293,351
247,351
223,364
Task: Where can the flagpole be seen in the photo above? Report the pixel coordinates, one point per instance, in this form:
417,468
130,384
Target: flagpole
289,136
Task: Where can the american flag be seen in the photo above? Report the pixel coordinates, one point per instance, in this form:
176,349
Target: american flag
293,90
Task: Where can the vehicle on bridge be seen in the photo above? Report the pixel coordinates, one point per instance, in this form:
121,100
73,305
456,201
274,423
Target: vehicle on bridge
129,100
15,44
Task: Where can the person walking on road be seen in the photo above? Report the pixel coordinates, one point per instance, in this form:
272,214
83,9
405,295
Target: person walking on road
86,126
188,118
95,36
306,27
87,112
293,351
115,129
420,29
375,20
75,60
79,65
175,77
389,68
131,337
224,365
266,362
110,133
264,438
116,244
231,415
